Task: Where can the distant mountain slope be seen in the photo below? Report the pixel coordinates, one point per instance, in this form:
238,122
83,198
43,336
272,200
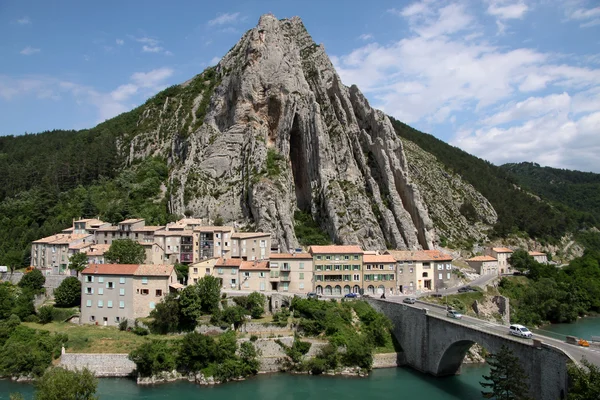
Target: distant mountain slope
576,189
517,209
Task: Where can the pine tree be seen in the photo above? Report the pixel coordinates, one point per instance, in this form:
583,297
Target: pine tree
507,379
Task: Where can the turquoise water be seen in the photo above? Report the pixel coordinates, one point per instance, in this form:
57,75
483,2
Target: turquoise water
583,328
383,384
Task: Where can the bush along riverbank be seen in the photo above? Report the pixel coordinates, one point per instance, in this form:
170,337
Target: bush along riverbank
348,334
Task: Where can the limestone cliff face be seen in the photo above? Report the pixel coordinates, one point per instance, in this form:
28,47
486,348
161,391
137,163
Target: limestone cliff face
270,130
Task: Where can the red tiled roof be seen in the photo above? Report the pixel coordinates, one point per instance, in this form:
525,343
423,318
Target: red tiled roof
285,256
384,258
335,249
110,269
254,265
131,221
229,262
154,270
246,235
62,238
502,250
536,253
481,258
419,255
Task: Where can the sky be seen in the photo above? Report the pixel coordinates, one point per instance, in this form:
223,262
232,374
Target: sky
505,80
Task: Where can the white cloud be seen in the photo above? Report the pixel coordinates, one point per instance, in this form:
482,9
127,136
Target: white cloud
507,9
223,19
27,51
150,45
120,42
214,61
507,103
24,21
365,36
151,49
141,85
588,17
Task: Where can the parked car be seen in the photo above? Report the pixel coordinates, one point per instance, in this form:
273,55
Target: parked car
409,300
351,295
313,295
437,295
520,331
454,314
466,289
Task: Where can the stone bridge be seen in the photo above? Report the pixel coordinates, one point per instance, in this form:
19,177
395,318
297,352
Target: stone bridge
435,344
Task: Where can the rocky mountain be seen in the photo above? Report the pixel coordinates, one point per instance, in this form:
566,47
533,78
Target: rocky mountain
272,129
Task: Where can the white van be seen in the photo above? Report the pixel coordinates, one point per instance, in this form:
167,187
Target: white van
520,331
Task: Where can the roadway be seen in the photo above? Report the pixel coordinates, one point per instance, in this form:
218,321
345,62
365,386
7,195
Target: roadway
591,353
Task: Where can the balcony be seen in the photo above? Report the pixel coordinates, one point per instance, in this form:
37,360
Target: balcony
285,267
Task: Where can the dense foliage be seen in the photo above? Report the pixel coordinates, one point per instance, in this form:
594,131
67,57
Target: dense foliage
68,293
254,303
60,383
308,231
551,294
507,379
33,281
220,358
14,300
575,189
517,210
584,381
125,251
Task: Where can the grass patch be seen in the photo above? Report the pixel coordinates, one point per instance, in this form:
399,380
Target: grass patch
461,301
96,339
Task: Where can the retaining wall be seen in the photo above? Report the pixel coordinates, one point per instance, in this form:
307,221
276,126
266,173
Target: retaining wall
102,365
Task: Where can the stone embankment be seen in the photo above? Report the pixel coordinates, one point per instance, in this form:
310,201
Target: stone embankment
102,365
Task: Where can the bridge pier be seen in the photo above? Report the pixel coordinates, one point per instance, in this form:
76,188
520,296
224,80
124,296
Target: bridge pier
437,345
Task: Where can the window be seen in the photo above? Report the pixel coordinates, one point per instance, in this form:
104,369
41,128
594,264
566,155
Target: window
89,278
100,303
195,270
301,265
100,291
286,286
121,280
356,267
368,266
246,274
122,292
220,271
346,268
337,257
440,267
301,275
89,290
391,267
88,303
233,282
328,268
144,280
337,267
109,304
448,266
319,267
145,292
261,274
356,277
121,304
100,279
92,318
233,271
328,257
117,319
152,305
356,256
346,257
110,285
318,257
410,270
301,285
440,276
158,292
448,275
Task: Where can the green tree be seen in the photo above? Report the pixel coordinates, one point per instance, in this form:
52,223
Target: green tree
153,357
584,381
68,293
7,299
24,305
201,298
182,272
256,304
197,351
59,383
78,262
45,314
125,251
166,316
33,281
507,379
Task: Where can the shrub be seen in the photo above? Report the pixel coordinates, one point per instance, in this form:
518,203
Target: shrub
138,330
253,338
153,357
123,325
33,281
45,314
32,318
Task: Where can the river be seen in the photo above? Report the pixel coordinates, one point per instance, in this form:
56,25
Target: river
381,384
583,328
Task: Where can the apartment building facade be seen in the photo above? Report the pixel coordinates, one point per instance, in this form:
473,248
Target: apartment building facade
52,253
151,283
337,269
379,274
539,257
200,269
212,241
251,246
227,271
254,276
421,270
502,254
291,272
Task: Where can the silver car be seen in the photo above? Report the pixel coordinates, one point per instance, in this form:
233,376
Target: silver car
454,314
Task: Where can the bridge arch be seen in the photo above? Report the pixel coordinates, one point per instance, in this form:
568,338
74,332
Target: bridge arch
454,356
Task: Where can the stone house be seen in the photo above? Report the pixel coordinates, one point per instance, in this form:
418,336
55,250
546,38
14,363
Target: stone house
254,275
201,269
227,270
95,253
177,244
379,274
539,257
291,272
502,254
114,292
251,245
212,241
484,265
53,252
421,270
337,269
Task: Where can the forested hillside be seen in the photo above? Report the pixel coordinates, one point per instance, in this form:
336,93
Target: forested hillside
576,189
518,209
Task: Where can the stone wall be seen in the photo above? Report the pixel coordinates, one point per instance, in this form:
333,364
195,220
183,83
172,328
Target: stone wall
102,365
13,278
254,328
388,360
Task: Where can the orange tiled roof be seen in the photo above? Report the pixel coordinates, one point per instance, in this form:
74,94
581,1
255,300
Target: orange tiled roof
482,258
502,250
148,228
154,270
335,249
246,235
63,238
131,221
384,258
419,255
98,249
173,233
285,256
229,262
254,265
110,269
536,253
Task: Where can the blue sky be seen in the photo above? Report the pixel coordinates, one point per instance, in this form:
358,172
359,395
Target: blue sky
506,80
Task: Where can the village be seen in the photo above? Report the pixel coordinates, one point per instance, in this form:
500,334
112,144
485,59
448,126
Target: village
243,262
